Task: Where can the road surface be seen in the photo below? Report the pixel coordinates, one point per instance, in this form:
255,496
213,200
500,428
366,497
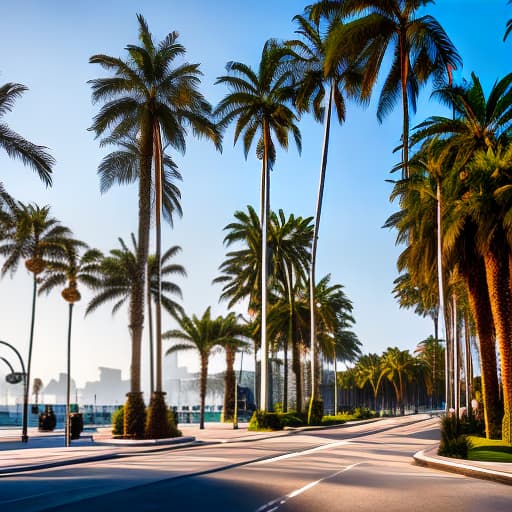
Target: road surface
357,468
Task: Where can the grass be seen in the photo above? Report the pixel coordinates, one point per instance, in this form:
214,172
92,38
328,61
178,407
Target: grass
489,450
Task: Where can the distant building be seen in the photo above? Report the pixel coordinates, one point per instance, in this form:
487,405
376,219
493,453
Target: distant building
55,390
109,390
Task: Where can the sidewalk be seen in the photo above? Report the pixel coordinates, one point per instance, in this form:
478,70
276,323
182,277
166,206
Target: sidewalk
46,450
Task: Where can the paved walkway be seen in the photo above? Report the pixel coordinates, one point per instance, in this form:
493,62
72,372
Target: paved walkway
45,450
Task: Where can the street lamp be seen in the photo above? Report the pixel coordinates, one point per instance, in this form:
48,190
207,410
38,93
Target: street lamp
24,436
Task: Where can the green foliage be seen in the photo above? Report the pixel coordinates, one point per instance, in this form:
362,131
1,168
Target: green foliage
157,422
118,422
490,450
316,412
339,419
134,416
363,413
265,421
453,442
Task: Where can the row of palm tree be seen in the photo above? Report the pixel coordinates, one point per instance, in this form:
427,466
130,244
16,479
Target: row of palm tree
462,168
288,320
409,377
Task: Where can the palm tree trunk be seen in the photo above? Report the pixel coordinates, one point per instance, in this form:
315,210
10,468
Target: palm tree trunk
150,332
68,379
297,370
482,315
285,380
456,357
265,203
134,418
467,371
229,385
202,391
440,285
497,271
323,166
29,359
158,252
335,387
404,70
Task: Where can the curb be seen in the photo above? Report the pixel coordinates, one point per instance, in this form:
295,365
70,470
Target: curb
446,464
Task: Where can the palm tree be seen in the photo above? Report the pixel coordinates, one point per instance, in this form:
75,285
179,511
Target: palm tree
149,98
432,353
33,235
233,335
17,146
314,88
480,125
119,271
258,102
288,258
398,365
420,47
68,270
368,370
202,334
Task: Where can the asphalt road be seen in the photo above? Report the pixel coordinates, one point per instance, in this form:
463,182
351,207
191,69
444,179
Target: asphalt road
357,468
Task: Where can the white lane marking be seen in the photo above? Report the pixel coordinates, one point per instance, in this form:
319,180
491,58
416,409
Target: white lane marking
273,505
304,452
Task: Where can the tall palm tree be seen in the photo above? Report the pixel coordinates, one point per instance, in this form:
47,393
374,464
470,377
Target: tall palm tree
258,102
398,365
149,98
315,87
33,235
204,335
420,49
480,124
17,146
67,270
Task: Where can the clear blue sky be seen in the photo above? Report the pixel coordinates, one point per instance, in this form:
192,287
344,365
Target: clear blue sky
46,46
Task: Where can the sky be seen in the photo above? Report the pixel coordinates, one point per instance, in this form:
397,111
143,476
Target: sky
46,46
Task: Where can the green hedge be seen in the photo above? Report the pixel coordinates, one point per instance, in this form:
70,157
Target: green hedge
264,421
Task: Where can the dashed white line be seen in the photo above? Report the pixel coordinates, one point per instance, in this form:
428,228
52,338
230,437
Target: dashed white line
273,505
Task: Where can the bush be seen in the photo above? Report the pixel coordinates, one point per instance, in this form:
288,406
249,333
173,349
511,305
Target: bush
118,422
333,420
363,413
263,420
134,416
453,442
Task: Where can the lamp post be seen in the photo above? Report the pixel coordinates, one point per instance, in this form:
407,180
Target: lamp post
24,436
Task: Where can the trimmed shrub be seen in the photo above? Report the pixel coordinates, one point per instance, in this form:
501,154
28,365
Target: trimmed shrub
333,420
134,416
264,421
118,422
76,425
160,423
363,413
453,442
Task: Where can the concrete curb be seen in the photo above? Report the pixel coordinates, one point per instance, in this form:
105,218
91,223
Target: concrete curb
144,442
426,458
